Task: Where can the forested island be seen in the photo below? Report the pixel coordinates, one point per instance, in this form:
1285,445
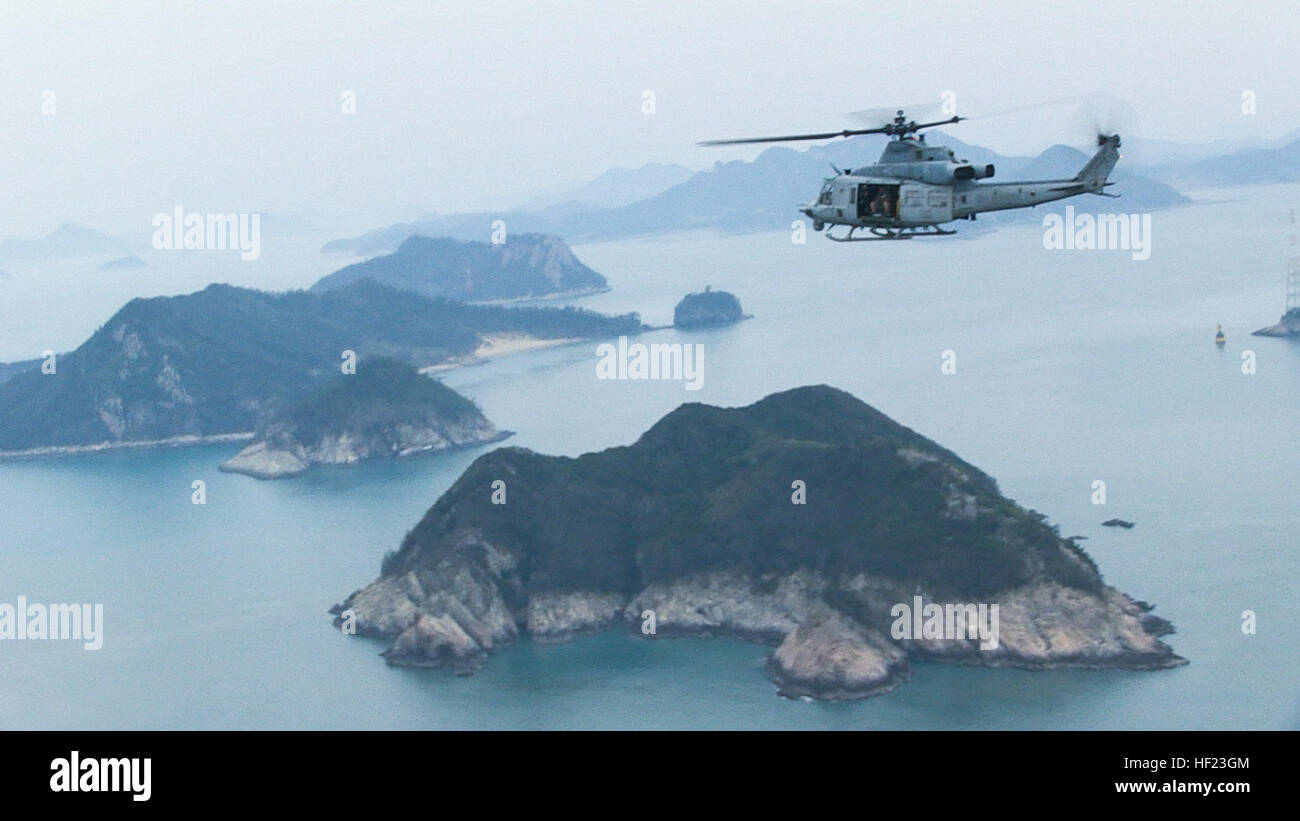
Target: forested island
224,360
805,520
386,409
524,266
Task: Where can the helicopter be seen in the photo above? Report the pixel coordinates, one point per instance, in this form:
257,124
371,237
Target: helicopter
915,188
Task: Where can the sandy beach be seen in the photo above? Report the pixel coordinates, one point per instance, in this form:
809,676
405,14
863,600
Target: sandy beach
497,346
72,450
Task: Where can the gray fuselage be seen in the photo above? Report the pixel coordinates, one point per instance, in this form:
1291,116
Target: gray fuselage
917,185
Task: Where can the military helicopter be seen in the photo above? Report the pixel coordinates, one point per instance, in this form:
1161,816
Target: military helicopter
914,188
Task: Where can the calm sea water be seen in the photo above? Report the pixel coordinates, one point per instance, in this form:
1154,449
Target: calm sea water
1071,367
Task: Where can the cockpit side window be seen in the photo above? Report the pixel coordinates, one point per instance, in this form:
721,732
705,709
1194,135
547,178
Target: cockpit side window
825,198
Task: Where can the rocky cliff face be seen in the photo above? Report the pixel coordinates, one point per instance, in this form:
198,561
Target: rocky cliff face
661,534
282,455
387,409
459,612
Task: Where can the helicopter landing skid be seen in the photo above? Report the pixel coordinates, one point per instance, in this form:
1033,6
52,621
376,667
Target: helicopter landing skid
880,233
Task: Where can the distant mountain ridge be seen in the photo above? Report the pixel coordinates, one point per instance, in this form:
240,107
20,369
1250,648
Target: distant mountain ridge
1148,152
1247,166
524,266
67,240
617,187
122,263
742,196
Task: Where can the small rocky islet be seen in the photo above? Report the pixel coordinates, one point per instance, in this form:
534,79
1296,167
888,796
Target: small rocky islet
803,521
707,309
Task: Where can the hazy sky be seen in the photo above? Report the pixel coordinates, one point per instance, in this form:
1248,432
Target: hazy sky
226,107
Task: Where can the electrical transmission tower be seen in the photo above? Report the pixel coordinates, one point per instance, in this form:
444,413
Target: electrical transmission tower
1293,272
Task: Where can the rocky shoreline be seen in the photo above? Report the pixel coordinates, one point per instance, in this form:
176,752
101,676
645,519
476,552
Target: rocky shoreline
458,614
284,457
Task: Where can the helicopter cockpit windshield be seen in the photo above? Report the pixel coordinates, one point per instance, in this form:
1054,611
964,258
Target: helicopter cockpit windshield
825,197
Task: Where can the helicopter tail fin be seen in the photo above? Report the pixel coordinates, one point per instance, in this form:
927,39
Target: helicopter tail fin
1094,174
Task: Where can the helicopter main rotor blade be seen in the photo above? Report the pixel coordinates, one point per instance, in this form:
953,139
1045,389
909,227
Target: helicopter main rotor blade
885,116
848,132
919,126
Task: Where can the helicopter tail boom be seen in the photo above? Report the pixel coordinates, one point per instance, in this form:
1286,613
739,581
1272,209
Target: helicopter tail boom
1093,175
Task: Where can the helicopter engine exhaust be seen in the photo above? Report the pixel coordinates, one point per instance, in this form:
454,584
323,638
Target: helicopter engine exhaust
971,172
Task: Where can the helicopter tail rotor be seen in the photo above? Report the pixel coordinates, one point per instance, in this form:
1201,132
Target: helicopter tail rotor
1099,117
1093,176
